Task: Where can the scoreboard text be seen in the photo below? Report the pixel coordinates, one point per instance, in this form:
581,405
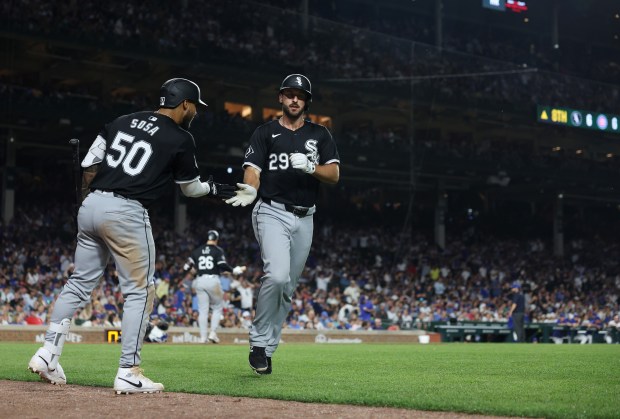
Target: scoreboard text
578,118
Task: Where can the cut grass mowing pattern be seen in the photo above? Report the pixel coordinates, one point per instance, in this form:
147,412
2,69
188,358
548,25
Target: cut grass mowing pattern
498,379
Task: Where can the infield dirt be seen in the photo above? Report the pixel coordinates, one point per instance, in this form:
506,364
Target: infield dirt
20,399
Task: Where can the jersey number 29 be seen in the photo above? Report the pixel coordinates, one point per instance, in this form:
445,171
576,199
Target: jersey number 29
132,164
278,161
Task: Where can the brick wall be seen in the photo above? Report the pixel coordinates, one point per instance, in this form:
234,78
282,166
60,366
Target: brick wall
227,336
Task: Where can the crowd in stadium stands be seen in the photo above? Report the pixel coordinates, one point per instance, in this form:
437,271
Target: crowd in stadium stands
504,153
511,45
234,30
357,277
229,32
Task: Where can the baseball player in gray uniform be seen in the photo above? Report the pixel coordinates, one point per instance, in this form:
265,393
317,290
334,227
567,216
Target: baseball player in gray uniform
127,168
207,262
286,161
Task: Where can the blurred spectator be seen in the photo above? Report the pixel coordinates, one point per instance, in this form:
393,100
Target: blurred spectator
178,302
377,324
352,292
246,320
112,320
613,329
481,267
163,286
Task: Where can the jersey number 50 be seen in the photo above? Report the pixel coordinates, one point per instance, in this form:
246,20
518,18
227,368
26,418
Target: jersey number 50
133,161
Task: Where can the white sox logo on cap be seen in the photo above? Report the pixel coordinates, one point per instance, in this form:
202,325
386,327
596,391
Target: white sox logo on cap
298,80
162,101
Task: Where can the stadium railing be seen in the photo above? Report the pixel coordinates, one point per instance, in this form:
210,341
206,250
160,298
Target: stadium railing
500,332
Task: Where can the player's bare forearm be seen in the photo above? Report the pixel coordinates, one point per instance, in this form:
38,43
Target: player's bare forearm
87,177
328,173
251,176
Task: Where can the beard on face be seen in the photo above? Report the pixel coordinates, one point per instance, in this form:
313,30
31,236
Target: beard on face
187,121
292,113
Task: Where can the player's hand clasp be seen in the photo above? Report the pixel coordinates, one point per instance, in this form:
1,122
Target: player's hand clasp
244,196
220,190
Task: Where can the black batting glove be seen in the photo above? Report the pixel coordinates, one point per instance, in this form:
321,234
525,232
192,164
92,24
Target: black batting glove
220,190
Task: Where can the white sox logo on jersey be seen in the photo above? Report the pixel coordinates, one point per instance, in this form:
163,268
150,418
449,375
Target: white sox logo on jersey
249,151
313,151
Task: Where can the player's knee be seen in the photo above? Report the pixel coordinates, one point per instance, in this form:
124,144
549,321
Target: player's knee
279,278
83,294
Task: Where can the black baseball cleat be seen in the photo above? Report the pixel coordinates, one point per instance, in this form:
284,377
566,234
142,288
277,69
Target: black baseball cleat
258,359
268,370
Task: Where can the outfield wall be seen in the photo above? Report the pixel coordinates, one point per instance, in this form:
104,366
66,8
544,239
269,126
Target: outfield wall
227,336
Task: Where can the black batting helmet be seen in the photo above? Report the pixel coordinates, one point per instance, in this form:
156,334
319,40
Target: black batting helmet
175,91
298,81
213,235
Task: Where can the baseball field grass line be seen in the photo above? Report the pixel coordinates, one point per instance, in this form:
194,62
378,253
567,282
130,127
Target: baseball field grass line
555,381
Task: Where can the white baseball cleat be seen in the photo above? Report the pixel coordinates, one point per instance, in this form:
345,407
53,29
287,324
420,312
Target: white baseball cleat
39,364
132,380
213,337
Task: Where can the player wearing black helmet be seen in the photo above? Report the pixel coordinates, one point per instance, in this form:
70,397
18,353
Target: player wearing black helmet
299,82
126,169
175,91
286,161
208,262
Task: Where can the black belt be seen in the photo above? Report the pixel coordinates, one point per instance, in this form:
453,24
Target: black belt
298,211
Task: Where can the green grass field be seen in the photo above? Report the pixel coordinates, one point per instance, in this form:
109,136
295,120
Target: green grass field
558,381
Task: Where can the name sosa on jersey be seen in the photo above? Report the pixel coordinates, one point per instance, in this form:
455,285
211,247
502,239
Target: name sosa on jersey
145,126
133,148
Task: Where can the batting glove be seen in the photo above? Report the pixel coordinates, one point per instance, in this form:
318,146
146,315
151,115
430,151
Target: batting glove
300,161
244,196
220,190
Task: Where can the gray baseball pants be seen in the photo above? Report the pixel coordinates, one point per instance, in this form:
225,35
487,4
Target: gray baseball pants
117,227
285,241
209,293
